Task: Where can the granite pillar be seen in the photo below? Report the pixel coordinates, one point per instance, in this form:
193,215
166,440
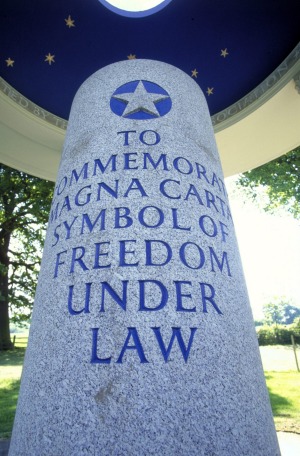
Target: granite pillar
142,340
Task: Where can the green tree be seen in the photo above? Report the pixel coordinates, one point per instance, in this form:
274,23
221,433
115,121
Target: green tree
280,312
274,312
296,328
291,313
281,180
24,208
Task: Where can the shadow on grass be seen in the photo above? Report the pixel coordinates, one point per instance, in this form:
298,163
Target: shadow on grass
280,404
12,357
9,392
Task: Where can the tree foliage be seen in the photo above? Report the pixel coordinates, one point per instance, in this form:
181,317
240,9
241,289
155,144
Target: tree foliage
281,321
280,312
24,208
279,335
274,313
291,313
281,180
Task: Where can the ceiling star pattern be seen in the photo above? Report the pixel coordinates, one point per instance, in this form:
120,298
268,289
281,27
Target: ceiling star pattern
9,62
224,53
230,53
50,58
70,22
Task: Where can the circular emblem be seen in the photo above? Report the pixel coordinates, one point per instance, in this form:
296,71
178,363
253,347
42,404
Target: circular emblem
140,100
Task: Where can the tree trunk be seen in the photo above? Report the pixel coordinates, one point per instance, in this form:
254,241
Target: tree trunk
5,342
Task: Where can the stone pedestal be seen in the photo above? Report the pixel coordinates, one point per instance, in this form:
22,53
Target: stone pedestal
142,340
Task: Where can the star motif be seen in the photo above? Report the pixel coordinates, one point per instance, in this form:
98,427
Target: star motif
131,57
194,73
70,22
9,62
210,91
49,58
224,53
140,100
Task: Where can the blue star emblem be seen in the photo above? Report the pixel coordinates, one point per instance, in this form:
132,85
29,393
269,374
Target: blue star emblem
140,100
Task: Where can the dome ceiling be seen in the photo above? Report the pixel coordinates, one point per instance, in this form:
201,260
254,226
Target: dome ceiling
243,54
48,48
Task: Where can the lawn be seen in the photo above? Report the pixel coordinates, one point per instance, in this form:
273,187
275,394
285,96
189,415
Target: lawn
283,383
11,363
284,391
9,390
282,379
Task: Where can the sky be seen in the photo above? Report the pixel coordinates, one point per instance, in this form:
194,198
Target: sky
134,5
270,250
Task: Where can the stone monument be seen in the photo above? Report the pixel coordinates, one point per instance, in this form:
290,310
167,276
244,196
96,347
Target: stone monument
142,340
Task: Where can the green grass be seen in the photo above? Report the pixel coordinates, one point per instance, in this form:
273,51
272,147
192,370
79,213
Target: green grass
284,391
9,390
282,379
11,363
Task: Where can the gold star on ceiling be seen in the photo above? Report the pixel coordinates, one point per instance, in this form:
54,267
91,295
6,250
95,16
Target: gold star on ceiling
194,73
224,53
131,57
70,22
50,58
9,62
210,91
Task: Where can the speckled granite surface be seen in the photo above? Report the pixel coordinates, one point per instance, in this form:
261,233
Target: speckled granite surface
142,340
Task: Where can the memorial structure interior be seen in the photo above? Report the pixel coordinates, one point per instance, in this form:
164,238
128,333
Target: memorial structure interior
244,56
79,394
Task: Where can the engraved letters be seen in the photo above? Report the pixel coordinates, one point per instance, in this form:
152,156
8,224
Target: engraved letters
94,187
